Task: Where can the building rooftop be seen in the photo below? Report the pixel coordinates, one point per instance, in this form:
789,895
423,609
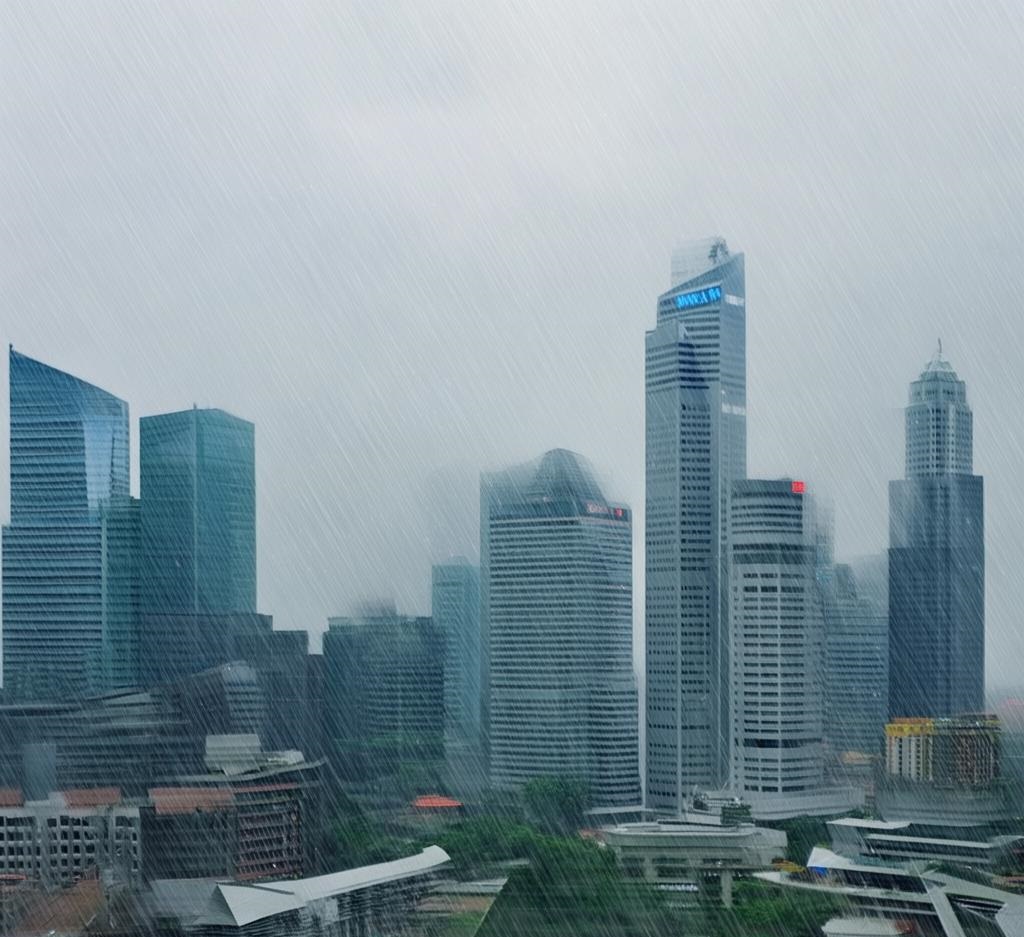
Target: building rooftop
237,905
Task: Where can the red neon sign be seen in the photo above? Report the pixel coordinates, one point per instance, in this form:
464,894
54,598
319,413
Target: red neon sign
798,488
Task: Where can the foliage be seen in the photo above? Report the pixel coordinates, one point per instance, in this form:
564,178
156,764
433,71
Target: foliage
475,843
557,804
573,888
802,835
762,910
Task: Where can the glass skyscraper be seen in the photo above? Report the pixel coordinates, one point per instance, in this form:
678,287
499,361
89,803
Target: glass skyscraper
455,609
696,443
556,574
937,556
198,491
69,623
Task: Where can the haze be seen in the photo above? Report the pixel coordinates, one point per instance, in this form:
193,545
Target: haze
414,240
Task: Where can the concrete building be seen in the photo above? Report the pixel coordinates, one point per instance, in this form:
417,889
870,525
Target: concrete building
69,625
777,644
695,449
915,898
903,841
70,835
556,558
694,857
962,752
937,557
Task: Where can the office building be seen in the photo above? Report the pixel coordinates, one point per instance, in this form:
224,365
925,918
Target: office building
777,639
937,557
962,751
695,449
175,646
69,835
383,694
197,473
68,595
250,814
455,609
856,668
557,597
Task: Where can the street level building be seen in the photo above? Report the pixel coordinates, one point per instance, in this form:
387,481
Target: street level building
692,858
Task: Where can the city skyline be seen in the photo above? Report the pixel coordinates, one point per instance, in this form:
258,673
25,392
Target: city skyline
278,249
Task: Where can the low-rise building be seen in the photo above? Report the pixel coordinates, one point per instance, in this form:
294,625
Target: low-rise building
685,856
69,836
368,900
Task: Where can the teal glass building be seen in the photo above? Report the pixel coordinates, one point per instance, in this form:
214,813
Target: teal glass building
69,602
198,490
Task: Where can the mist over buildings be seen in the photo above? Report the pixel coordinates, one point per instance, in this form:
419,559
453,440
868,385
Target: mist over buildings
414,241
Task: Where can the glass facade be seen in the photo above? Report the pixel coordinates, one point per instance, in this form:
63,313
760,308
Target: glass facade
696,444
455,608
198,490
69,622
937,557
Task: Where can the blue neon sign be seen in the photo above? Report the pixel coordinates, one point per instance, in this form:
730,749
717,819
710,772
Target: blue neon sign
705,297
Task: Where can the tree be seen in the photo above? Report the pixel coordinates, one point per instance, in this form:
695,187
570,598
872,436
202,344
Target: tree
557,804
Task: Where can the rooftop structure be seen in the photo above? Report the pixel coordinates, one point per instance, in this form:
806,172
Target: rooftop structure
680,853
370,899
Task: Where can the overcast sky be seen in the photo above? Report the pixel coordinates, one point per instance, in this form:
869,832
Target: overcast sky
414,240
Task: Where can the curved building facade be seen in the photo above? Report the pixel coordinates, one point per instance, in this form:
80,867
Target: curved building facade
68,584
556,559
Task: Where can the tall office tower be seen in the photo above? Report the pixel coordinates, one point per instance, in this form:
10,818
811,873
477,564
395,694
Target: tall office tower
197,472
937,557
556,572
383,694
696,447
777,642
856,668
68,593
455,609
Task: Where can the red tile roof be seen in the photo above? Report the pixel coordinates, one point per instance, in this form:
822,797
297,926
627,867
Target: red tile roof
92,797
11,797
436,802
177,800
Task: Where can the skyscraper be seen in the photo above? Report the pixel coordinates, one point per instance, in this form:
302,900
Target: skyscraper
197,471
384,694
777,637
856,668
556,571
68,599
937,557
455,609
696,439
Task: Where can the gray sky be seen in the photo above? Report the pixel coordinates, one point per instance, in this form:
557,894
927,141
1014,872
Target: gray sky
411,240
